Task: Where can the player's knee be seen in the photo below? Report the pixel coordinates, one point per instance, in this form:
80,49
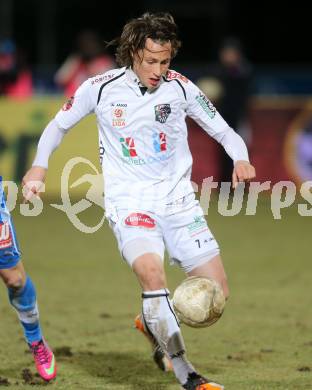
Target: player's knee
14,280
210,266
224,287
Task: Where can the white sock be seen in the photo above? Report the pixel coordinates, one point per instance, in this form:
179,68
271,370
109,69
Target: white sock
182,368
162,322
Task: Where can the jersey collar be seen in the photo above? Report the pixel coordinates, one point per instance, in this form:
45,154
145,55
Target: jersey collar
134,82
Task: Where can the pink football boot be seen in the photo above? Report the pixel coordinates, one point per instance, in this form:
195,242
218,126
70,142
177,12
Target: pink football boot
44,359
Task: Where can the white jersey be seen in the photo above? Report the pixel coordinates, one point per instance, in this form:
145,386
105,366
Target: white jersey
144,149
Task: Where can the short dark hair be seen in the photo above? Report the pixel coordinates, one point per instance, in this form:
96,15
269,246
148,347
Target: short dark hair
159,27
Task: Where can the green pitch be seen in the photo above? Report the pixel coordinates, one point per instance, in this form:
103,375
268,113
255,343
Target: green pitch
88,298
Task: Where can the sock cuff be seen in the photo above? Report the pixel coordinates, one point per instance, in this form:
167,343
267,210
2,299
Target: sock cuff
164,292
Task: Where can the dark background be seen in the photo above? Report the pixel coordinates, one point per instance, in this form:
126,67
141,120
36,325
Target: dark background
272,32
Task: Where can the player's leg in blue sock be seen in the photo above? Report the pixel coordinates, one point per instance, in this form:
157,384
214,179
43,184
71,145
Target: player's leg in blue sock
22,296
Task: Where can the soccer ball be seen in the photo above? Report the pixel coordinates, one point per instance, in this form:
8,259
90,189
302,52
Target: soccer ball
198,302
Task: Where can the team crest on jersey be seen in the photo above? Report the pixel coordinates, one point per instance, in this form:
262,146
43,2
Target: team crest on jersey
68,105
140,220
162,111
119,113
6,240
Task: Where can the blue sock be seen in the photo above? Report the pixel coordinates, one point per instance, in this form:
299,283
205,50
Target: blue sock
24,301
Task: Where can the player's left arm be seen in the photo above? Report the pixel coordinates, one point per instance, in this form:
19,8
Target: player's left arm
200,108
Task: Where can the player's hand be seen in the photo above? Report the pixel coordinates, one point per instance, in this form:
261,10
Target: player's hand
32,182
243,172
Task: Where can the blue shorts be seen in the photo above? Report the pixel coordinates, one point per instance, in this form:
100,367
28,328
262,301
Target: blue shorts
9,250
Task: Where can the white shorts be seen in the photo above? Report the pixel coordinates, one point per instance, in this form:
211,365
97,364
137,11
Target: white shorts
182,229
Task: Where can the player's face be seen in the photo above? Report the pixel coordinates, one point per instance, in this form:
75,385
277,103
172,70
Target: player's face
152,62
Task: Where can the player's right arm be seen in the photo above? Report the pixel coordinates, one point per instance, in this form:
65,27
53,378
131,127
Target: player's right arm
77,107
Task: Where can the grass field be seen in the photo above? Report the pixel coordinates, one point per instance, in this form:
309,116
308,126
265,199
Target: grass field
88,299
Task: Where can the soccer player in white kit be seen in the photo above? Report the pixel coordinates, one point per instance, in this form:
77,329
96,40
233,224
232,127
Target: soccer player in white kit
149,200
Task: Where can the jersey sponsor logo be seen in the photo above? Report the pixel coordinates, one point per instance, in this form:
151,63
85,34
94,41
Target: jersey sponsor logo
198,226
6,240
102,78
119,113
130,156
206,105
140,220
171,75
162,111
128,147
68,105
159,142
145,161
